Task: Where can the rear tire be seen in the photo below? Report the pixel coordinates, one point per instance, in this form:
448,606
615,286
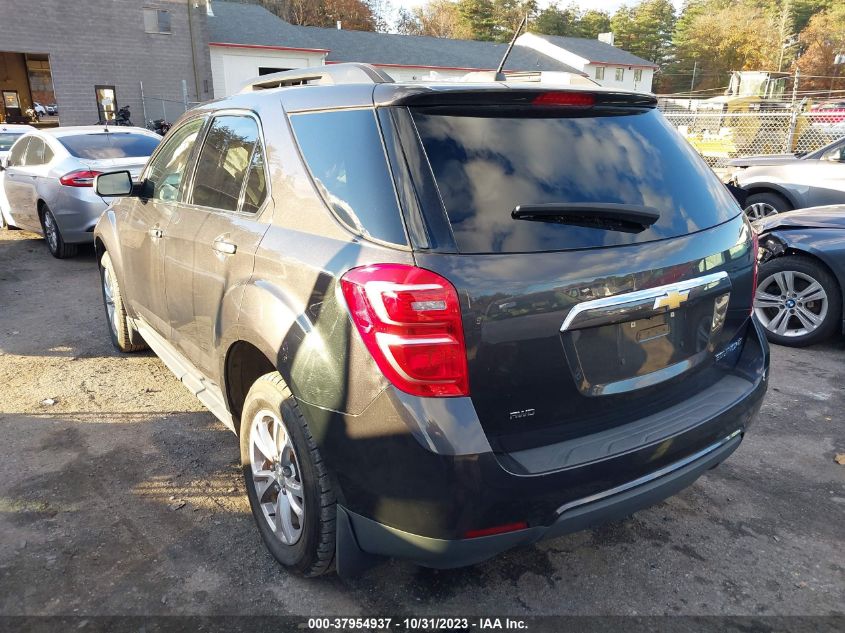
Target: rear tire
295,476
53,236
121,330
760,205
778,308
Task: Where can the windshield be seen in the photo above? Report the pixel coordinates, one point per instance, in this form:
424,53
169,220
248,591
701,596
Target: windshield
7,139
100,146
484,166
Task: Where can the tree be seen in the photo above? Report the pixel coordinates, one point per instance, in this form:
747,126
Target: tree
591,23
356,15
438,18
822,40
645,29
554,20
508,15
480,18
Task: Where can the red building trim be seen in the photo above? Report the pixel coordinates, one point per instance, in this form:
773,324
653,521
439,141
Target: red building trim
271,48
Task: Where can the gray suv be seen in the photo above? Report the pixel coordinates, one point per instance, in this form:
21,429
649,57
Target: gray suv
444,319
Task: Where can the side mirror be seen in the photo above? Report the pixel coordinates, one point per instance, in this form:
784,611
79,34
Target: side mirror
4,163
113,184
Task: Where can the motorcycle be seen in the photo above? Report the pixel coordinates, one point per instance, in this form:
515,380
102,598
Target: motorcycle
159,126
122,116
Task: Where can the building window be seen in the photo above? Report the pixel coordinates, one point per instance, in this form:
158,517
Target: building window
638,75
268,70
157,21
599,72
620,74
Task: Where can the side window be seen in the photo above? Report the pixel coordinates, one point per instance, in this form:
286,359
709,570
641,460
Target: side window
229,152
344,153
34,152
835,154
167,169
18,151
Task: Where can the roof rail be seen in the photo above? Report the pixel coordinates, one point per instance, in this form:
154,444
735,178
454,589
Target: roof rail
331,74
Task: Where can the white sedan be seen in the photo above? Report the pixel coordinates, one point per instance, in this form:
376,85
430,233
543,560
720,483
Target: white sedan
8,135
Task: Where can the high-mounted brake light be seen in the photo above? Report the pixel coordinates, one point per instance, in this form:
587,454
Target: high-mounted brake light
572,99
79,178
410,320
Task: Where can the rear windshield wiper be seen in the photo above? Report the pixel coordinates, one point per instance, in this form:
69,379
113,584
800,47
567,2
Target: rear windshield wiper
610,216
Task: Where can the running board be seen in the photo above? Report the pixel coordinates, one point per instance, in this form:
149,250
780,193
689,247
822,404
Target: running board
206,391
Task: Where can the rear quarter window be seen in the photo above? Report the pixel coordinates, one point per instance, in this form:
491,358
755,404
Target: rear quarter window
344,153
485,165
100,146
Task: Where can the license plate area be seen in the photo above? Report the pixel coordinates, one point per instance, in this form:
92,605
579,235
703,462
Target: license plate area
632,341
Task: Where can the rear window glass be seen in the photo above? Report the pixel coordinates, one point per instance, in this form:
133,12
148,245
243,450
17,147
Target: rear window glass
344,153
7,139
485,166
99,146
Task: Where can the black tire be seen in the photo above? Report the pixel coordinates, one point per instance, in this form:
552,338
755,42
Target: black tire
53,235
812,268
123,336
313,553
774,200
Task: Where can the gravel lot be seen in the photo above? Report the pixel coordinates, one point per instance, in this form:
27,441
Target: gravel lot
123,496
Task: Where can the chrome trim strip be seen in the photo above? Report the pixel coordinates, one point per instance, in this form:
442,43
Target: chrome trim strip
640,295
650,477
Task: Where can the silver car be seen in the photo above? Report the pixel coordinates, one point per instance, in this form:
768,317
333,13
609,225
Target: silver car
9,133
778,183
48,179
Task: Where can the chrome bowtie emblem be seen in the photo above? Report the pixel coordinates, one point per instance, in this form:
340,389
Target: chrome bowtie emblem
672,299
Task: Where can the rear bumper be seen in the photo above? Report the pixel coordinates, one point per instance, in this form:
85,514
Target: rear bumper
77,210
413,482
372,537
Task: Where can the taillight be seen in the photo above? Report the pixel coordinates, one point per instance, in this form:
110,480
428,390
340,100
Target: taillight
410,320
755,257
572,99
79,178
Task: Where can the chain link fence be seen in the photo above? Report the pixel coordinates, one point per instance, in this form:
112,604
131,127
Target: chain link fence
157,106
720,135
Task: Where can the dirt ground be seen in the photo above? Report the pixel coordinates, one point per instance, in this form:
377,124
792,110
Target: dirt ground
120,494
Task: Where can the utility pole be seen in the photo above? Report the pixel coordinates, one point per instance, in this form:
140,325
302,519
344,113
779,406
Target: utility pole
692,83
795,86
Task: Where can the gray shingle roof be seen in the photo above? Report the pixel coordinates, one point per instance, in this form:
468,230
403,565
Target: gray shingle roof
596,51
238,23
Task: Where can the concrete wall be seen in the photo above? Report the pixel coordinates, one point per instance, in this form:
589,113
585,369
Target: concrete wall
104,43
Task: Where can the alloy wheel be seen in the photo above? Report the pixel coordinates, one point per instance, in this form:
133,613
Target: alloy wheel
276,476
790,303
51,232
108,294
759,210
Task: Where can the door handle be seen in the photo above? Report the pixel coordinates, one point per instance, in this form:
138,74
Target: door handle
155,233
222,246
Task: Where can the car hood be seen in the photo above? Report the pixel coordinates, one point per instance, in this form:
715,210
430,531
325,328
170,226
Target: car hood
764,159
831,217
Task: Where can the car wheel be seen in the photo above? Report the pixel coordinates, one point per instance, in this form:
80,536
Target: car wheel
761,205
53,236
123,335
797,301
287,482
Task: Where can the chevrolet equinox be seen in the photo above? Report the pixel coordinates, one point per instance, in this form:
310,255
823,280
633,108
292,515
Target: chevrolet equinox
444,319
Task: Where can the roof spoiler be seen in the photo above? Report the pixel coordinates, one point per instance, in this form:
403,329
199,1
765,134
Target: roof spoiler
331,74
